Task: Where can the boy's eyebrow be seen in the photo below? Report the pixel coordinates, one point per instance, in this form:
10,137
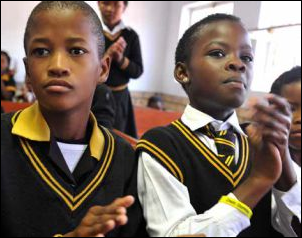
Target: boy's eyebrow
69,40
225,45
41,40
75,40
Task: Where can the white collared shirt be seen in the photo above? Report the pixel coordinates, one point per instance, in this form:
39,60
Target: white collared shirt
169,216
121,26
195,120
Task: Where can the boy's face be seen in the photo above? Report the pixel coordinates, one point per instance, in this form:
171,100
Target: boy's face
292,92
112,11
63,65
4,63
220,69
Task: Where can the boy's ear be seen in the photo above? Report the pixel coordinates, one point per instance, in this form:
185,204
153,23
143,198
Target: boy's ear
105,65
181,73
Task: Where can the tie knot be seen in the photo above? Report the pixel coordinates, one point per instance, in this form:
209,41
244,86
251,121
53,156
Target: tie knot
210,131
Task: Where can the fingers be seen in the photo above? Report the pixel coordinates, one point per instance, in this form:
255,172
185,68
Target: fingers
280,103
121,41
270,114
100,220
126,202
98,230
276,116
118,207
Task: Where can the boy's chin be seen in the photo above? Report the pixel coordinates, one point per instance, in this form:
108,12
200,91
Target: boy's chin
234,103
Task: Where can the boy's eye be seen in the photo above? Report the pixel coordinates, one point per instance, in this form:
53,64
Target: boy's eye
77,51
247,58
217,54
40,52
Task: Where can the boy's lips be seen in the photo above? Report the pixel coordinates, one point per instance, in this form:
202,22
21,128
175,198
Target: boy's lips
296,133
235,82
58,86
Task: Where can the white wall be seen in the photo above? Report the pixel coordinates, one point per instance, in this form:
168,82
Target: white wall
146,17
157,23
14,16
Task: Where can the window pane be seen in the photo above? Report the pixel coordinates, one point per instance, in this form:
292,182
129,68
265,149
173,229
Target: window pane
276,51
279,13
200,13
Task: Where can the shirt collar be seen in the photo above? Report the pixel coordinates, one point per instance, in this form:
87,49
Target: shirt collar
31,125
195,119
121,26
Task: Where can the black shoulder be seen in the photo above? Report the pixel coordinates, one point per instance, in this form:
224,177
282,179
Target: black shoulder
161,144
159,134
121,145
7,138
131,31
6,121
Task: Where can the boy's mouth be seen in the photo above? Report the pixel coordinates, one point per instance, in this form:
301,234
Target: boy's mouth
58,86
296,133
236,83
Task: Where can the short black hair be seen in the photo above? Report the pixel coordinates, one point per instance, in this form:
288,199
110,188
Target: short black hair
288,77
7,57
154,99
47,6
184,47
125,2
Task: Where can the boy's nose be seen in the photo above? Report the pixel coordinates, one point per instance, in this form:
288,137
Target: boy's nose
236,65
58,66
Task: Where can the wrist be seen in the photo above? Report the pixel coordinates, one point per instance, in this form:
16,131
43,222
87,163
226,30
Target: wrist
288,177
124,63
251,191
235,203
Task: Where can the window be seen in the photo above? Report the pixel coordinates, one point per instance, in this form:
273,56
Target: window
195,12
277,42
201,12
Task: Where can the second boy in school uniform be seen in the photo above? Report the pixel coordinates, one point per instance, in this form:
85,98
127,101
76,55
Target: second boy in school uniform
202,174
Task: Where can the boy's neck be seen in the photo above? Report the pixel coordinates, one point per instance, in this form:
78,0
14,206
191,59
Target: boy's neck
111,27
218,114
70,126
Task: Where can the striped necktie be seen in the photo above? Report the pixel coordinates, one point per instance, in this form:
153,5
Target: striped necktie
225,142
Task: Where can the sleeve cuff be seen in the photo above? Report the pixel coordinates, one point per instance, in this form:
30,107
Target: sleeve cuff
291,199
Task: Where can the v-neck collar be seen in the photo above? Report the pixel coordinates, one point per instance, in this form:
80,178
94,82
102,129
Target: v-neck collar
233,175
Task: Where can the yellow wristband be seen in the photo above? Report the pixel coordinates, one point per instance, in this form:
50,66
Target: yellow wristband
238,205
58,235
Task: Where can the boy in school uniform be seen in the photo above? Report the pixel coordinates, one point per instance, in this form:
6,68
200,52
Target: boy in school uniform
200,174
103,106
288,85
8,84
123,46
59,169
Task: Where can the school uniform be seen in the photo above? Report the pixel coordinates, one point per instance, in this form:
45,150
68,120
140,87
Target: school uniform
119,76
103,106
48,186
9,82
181,178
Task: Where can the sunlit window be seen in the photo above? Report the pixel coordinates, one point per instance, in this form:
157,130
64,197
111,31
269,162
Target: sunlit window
201,12
277,42
195,12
